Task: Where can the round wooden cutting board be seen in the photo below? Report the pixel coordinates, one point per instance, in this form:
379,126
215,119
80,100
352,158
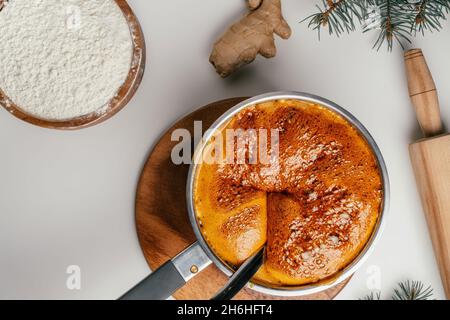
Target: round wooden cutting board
161,215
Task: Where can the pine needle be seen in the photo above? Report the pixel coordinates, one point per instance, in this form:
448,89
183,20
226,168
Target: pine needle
408,290
338,16
372,296
394,20
428,15
412,290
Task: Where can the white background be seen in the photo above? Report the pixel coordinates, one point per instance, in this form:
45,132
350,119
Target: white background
67,198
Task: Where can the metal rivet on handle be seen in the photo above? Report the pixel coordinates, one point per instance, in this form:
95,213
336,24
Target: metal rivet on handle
194,269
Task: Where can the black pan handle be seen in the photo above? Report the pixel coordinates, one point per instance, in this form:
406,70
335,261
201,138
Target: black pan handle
159,285
171,276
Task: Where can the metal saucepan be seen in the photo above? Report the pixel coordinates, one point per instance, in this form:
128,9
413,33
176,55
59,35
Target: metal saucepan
176,272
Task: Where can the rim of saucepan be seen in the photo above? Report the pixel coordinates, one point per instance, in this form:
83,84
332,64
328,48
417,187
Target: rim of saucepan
369,246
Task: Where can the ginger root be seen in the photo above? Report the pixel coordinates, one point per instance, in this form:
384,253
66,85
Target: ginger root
251,36
2,4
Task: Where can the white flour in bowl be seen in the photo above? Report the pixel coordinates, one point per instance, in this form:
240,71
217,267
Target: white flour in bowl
62,59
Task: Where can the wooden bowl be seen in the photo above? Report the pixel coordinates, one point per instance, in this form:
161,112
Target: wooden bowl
120,100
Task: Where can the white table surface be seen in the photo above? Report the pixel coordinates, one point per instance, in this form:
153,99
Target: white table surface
67,198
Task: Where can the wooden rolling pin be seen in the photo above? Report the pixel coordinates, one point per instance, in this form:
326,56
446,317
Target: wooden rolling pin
431,160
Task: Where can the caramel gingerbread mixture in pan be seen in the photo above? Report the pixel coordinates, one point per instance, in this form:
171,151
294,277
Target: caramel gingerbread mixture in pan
316,207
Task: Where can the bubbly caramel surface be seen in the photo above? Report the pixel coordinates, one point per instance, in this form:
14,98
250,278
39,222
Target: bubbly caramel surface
315,207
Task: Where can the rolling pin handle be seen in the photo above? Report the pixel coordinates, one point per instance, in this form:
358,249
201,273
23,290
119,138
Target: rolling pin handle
422,92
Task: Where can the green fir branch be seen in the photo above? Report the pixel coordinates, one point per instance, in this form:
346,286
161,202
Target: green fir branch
412,290
394,23
338,16
428,15
407,290
394,20
372,296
